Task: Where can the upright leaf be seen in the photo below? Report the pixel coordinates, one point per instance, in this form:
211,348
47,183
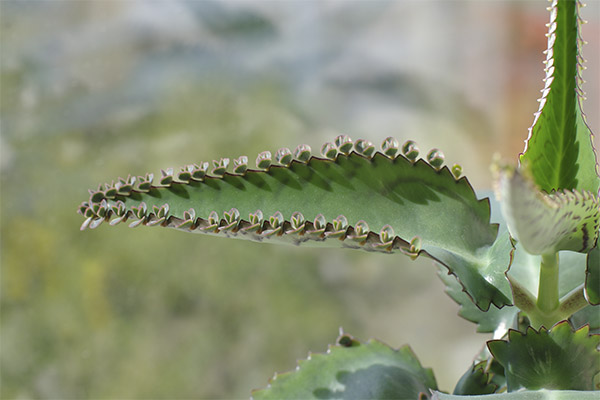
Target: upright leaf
559,149
356,199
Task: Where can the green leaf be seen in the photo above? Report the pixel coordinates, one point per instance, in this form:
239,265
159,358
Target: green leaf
556,359
559,149
589,315
546,223
377,202
592,280
493,320
353,370
525,395
476,381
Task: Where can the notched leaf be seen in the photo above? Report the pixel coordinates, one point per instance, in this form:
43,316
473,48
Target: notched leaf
547,223
559,358
354,369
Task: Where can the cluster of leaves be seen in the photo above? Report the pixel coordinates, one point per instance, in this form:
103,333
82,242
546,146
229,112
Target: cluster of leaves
525,268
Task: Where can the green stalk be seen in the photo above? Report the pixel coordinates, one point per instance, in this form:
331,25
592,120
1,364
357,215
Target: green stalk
547,300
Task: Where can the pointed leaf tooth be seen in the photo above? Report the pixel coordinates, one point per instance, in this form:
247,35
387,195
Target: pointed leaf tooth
276,220
410,150
240,165
415,244
263,161
386,238
361,230
82,208
436,159
256,218
297,222
343,144
284,156
199,171
213,218
329,150
86,223
302,153
414,248
220,167
184,175
137,223
96,223
456,171
189,215
364,147
231,216
111,192
390,147
339,227
340,223
166,177
97,197
320,222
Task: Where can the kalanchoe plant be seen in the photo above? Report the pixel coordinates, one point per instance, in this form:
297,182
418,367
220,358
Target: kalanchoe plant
525,267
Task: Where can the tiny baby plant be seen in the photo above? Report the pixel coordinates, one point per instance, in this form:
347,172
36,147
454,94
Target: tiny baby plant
525,267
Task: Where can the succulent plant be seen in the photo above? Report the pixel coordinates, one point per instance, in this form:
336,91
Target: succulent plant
544,224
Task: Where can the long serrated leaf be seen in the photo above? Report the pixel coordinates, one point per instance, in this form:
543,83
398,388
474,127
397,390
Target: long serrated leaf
547,223
355,370
559,149
560,359
375,202
525,395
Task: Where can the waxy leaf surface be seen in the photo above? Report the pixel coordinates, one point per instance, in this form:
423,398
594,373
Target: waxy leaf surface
560,359
353,370
376,203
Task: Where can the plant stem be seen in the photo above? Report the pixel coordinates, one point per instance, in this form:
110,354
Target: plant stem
547,300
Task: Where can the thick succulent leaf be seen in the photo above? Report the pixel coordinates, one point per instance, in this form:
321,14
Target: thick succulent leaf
559,149
494,320
592,280
560,359
477,380
355,199
525,395
546,223
354,370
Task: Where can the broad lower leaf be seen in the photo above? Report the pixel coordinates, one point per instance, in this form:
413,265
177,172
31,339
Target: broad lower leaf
592,280
546,223
494,320
525,395
354,370
559,149
560,359
355,199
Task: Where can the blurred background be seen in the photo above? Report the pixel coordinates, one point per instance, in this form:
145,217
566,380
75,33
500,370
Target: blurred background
92,90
